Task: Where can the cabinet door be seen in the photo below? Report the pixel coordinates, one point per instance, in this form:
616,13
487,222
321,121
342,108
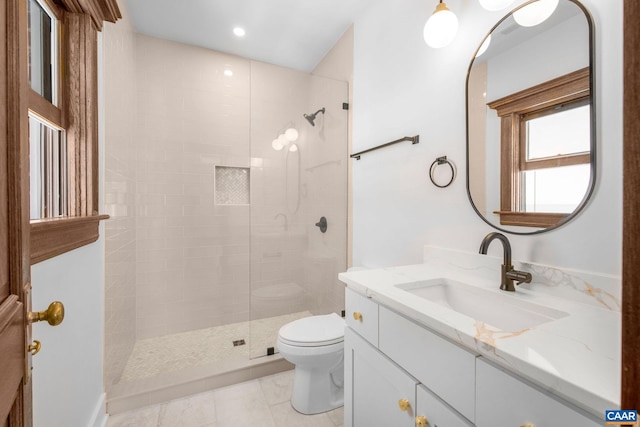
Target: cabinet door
436,412
505,401
374,387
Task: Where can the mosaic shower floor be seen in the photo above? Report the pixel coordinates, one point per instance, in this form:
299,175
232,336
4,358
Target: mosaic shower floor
175,352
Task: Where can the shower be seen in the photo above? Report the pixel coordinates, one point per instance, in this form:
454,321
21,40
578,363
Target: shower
312,117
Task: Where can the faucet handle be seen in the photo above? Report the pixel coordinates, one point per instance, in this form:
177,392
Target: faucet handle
519,276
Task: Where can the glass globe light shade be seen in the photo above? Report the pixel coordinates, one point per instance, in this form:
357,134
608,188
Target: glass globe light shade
293,148
291,134
535,13
441,27
283,139
493,5
276,145
484,46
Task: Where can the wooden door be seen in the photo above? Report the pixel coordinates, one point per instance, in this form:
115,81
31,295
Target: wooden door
630,396
15,387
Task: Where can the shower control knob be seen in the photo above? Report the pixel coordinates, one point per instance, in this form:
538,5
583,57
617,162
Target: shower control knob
322,224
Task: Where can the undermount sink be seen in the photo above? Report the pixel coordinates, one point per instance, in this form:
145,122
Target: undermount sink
505,312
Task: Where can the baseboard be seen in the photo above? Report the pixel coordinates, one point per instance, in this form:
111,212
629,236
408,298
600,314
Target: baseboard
99,417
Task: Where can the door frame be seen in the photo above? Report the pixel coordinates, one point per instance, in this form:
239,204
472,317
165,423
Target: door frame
630,348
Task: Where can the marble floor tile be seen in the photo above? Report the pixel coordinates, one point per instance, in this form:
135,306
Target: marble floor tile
277,388
263,402
337,416
194,411
285,416
242,405
145,417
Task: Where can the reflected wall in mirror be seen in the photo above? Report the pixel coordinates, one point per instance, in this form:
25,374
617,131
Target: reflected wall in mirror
531,121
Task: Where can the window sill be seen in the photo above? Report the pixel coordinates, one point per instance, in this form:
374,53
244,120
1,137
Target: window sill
52,237
530,219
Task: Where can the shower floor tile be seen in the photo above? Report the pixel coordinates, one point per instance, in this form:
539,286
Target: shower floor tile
175,352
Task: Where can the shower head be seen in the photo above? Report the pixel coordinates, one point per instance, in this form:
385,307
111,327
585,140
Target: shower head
312,117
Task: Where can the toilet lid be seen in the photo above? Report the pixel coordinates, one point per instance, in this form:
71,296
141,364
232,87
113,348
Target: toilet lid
313,331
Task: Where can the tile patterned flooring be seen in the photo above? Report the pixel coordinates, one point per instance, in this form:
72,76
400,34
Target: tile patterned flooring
260,402
175,352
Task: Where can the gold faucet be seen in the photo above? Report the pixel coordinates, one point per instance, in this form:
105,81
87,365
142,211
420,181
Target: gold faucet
509,275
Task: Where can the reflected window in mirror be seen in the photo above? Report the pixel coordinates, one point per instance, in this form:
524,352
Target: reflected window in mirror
555,148
545,140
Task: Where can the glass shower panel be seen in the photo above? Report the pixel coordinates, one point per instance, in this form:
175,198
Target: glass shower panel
298,175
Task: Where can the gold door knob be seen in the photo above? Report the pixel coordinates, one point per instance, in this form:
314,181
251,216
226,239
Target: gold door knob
404,405
54,315
34,348
421,421
357,315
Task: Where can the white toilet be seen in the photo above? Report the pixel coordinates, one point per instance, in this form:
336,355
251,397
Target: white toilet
316,346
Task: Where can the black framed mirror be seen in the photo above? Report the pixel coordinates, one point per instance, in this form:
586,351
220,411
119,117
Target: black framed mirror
531,119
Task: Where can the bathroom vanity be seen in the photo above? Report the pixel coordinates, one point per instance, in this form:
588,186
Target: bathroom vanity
416,355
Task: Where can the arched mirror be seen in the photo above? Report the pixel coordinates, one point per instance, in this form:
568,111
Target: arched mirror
531,119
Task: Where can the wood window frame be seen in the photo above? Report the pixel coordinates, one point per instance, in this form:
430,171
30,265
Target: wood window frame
77,113
569,88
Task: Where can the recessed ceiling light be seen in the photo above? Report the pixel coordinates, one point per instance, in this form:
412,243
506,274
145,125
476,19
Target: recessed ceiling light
228,73
238,31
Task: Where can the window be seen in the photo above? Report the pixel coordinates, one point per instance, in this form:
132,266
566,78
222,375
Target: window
62,110
545,144
48,170
43,51
555,150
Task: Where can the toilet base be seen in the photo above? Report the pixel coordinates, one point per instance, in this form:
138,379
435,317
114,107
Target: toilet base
316,391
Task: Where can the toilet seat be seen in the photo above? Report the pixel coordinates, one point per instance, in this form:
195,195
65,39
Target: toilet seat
313,331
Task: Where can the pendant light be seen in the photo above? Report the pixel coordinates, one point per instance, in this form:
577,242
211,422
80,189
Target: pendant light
441,27
535,13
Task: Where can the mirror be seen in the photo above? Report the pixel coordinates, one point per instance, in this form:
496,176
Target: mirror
531,120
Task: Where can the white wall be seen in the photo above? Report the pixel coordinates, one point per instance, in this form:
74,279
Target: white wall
67,376
402,87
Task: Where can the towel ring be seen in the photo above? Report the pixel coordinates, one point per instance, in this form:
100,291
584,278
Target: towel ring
441,161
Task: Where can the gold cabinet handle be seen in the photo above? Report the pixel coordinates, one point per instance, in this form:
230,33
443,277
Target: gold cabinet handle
357,315
421,421
34,348
528,425
404,405
54,315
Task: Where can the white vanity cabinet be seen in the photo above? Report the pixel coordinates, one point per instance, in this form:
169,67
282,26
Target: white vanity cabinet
378,391
380,386
503,400
397,370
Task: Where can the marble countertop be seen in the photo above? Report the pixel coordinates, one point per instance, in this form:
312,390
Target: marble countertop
576,357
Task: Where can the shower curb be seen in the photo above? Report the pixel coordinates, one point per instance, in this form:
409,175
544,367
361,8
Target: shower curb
175,385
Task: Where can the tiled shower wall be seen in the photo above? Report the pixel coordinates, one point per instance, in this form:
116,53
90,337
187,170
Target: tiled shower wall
119,194
192,255
181,261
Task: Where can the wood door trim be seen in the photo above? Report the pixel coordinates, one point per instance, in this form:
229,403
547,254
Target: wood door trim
630,373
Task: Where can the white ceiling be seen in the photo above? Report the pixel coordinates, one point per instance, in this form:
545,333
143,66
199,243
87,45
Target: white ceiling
291,33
